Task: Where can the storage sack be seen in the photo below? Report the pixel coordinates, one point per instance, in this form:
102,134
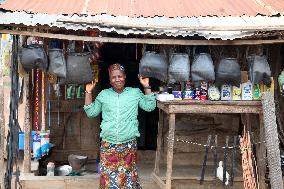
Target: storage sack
33,56
202,68
228,72
154,65
179,68
259,70
57,63
78,69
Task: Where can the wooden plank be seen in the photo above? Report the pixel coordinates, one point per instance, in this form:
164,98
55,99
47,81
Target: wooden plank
2,125
207,178
163,107
159,142
66,106
158,181
27,128
143,40
209,102
170,152
217,108
210,106
261,155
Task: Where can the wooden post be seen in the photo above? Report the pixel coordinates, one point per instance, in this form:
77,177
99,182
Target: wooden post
170,153
261,154
159,142
2,126
27,128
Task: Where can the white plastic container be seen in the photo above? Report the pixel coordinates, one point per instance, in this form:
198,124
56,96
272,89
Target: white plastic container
247,92
226,92
50,169
237,93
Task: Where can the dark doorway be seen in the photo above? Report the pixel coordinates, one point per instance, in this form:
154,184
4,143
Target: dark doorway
129,56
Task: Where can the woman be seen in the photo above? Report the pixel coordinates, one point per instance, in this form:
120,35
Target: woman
119,127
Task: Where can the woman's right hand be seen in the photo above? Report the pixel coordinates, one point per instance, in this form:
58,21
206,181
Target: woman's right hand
90,86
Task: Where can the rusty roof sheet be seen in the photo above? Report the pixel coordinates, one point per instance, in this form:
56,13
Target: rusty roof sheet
224,27
149,8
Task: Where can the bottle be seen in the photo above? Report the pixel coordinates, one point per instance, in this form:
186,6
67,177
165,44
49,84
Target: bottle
213,93
256,92
237,93
79,92
247,91
226,92
188,93
204,90
50,169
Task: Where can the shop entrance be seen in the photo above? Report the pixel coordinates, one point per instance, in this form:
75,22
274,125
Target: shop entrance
129,55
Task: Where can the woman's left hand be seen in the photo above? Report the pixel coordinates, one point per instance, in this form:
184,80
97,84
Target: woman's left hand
144,81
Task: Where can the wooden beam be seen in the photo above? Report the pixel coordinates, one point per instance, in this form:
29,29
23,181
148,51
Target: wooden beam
206,178
211,106
158,181
261,154
27,128
170,152
143,41
2,124
159,142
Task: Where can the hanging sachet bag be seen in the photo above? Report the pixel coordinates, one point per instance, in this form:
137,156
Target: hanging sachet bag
179,68
57,63
33,56
153,64
202,68
228,71
78,68
259,70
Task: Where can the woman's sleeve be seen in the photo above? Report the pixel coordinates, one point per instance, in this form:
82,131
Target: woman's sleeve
147,102
95,108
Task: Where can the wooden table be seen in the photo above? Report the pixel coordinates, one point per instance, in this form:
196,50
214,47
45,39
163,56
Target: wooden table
174,107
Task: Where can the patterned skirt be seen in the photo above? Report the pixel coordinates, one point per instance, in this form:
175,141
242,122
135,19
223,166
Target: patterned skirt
118,166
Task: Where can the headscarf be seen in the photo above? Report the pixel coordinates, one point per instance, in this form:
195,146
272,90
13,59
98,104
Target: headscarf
116,66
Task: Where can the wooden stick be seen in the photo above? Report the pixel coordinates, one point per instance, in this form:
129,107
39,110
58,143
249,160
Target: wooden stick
215,159
143,41
205,159
27,128
159,142
225,160
2,126
233,160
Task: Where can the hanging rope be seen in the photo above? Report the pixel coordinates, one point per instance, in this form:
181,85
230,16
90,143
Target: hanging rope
13,133
42,101
247,161
37,100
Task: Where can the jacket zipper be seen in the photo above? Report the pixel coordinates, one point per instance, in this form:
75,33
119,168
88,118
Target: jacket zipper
117,117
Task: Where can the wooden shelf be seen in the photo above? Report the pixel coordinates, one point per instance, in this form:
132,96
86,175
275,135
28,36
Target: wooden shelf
171,108
207,106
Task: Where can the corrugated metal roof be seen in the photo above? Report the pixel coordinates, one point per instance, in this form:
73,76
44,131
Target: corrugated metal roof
153,26
149,8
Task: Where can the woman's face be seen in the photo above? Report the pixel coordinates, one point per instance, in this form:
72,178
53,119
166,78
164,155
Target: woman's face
117,80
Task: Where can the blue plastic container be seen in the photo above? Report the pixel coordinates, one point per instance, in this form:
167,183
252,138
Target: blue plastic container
22,140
